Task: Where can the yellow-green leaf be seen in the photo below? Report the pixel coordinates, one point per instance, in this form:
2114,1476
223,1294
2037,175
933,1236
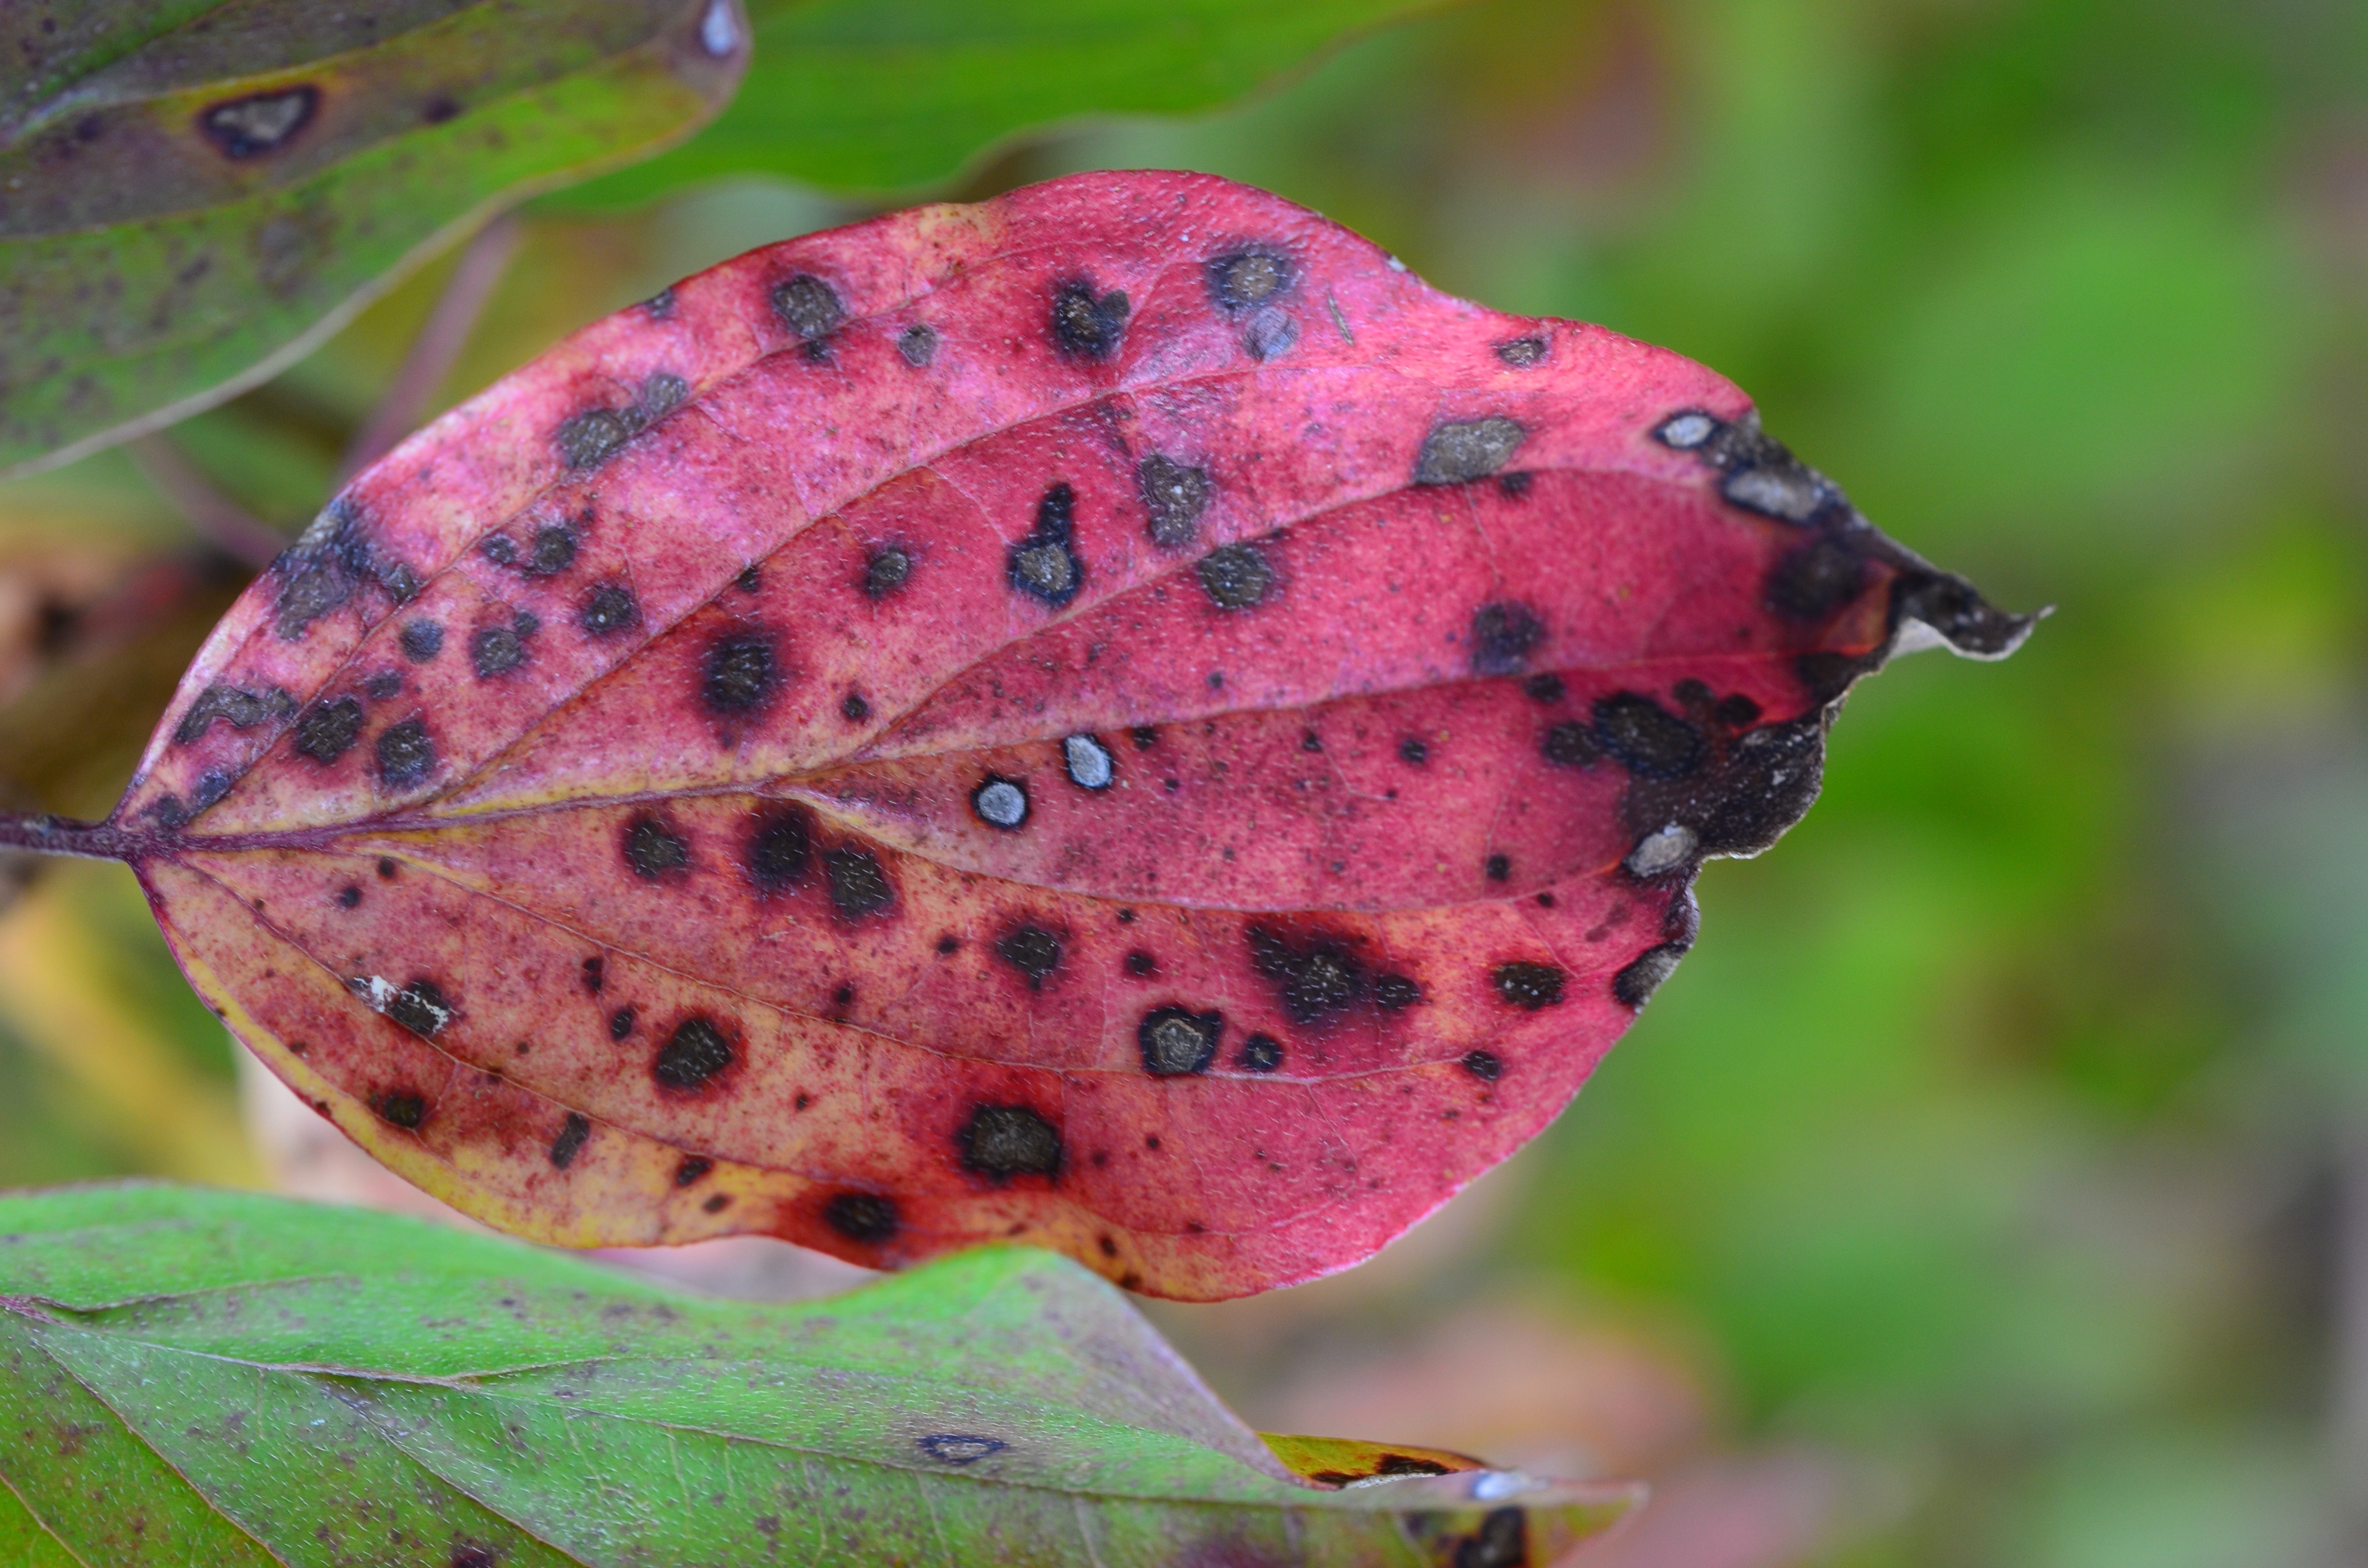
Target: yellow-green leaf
197,1376
191,196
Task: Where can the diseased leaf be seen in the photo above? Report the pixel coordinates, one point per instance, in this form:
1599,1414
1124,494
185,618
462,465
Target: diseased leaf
872,96
1117,718
191,195
196,1376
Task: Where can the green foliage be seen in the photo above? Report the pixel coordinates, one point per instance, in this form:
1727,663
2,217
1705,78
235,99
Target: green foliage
201,1377
874,96
189,209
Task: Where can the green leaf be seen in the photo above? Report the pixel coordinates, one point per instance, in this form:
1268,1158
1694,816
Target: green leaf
192,196
189,1376
879,95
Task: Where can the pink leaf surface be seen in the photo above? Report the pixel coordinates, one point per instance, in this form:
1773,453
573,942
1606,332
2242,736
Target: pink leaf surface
1116,717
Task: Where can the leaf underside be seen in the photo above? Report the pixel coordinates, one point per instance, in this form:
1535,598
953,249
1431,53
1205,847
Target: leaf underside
190,194
1116,718
196,1376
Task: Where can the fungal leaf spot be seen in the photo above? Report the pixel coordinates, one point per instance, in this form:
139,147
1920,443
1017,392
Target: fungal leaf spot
1005,1141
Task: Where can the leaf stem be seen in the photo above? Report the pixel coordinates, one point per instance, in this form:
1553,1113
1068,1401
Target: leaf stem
37,833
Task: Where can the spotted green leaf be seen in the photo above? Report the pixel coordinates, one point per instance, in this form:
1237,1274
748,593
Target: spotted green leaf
191,1377
869,96
192,194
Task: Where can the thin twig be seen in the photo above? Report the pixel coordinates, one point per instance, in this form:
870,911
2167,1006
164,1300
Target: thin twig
439,344
213,515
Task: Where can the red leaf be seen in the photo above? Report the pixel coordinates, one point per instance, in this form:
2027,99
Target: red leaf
1116,717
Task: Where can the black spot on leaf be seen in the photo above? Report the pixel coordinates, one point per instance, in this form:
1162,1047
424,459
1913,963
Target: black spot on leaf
406,755
570,1141
1462,449
620,1023
1005,1141
1483,1065
864,1217
608,607
1040,564
1317,981
885,572
1545,688
1652,742
1521,352
1412,750
261,122
499,549
382,686
1270,335
589,438
1244,279
421,1007
780,848
1259,1054
1142,965
652,849
1395,992
1503,635
405,1110
919,344
349,897
1086,326
1032,950
691,1056
858,884
693,1169
1499,868
1177,1041
1174,496
808,306
328,730
240,709
554,552
1812,582
421,639
740,673
495,651
1570,745
1234,576
957,1448
1529,986
854,709
323,569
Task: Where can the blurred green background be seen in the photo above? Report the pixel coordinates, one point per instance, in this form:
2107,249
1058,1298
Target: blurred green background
1991,1185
